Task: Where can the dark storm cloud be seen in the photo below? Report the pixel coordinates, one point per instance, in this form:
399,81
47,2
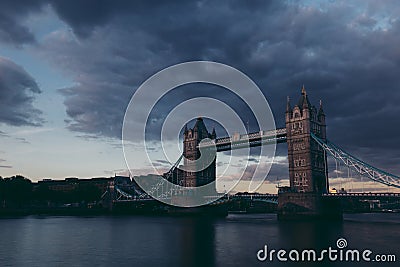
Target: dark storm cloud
121,54
345,53
17,90
87,15
12,31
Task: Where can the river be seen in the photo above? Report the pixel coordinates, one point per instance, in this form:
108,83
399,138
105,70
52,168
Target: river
179,241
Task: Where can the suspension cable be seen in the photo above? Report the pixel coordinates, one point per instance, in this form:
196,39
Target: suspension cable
361,167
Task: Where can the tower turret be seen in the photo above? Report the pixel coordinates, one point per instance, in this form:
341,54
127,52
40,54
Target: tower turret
213,134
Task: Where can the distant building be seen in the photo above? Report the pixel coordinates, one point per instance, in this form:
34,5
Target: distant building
59,185
71,184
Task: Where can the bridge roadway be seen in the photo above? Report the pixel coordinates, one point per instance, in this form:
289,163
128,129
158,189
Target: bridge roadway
363,195
237,141
273,198
331,195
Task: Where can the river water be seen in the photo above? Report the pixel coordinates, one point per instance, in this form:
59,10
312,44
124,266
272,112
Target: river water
178,241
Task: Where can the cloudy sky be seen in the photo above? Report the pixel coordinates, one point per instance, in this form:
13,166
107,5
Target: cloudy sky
69,68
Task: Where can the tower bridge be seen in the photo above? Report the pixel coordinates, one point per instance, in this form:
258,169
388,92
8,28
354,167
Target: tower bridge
308,147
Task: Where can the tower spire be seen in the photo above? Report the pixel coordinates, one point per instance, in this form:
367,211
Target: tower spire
303,90
303,102
288,107
321,110
213,134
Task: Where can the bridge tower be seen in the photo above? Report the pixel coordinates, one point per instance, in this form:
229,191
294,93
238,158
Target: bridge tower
191,140
307,160
308,172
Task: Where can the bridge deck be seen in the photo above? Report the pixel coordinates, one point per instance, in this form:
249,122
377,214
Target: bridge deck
246,140
362,195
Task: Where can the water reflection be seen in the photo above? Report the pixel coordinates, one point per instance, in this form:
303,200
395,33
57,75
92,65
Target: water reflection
197,242
316,235
310,234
